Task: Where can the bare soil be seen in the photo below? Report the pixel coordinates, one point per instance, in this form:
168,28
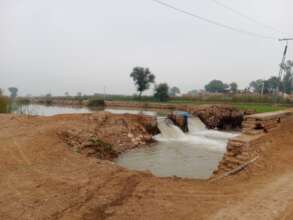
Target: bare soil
42,176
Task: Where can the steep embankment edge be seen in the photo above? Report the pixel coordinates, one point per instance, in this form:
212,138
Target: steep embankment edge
261,133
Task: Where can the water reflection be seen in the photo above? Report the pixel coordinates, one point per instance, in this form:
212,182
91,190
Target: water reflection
44,110
50,110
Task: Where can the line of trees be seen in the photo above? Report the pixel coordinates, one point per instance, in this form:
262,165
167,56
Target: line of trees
12,90
217,86
274,83
260,86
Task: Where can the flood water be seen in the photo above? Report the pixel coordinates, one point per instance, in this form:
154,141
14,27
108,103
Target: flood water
192,155
50,110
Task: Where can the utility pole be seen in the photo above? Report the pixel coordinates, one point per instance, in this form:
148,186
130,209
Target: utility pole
262,87
104,93
283,60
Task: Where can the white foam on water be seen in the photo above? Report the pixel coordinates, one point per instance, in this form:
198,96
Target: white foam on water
195,154
195,125
168,130
199,135
130,111
217,134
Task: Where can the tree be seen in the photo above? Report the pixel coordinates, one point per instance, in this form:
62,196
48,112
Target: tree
67,94
79,94
265,86
193,92
1,92
216,86
257,85
13,92
271,85
174,91
142,78
233,87
287,81
161,92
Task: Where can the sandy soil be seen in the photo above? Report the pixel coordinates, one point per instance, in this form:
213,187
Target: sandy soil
41,177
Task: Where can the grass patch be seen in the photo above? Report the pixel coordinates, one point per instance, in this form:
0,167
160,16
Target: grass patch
259,107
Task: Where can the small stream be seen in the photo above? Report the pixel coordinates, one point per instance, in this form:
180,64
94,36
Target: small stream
192,155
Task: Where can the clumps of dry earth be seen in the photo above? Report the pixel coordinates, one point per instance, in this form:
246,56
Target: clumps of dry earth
220,116
223,117
105,135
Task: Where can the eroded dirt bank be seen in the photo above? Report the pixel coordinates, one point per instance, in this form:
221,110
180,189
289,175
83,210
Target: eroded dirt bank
43,178
219,116
105,135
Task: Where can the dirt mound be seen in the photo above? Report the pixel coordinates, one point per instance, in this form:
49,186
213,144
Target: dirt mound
220,116
97,134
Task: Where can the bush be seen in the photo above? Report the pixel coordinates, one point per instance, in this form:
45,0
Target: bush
4,104
96,102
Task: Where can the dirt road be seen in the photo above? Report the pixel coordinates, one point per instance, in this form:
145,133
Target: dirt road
41,177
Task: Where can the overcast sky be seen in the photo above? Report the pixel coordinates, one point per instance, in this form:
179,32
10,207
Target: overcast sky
81,45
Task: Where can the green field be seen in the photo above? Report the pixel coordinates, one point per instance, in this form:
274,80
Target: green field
259,108
244,102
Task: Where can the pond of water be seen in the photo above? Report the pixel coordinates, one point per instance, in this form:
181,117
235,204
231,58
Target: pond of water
192,155
50,110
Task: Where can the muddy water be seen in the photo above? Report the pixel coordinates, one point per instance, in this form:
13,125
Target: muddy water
176,158
192,155
44,110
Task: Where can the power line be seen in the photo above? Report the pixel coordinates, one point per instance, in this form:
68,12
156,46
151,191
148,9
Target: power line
198,17
246,16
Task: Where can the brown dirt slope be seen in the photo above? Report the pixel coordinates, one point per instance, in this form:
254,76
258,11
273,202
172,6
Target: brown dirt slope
41,177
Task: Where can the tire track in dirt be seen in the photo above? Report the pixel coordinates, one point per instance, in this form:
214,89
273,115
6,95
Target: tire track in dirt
267,203
128,187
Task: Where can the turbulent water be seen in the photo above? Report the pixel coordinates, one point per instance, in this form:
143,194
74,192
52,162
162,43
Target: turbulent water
169,130
192,155
131,111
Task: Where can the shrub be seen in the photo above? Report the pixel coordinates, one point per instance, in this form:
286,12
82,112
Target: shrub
96,102
4,104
